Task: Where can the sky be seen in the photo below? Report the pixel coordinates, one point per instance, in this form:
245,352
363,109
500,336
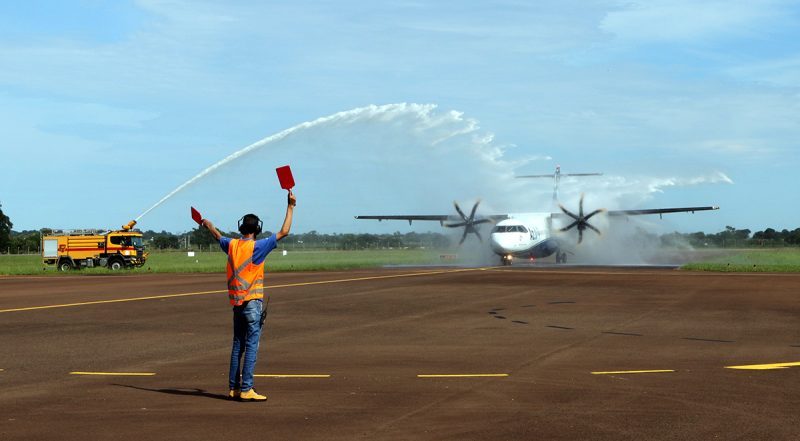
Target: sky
397,107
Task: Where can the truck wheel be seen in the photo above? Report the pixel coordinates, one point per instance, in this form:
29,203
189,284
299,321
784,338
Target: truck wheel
115,265
65,266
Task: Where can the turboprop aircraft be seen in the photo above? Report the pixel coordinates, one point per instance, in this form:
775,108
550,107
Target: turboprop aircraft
531,235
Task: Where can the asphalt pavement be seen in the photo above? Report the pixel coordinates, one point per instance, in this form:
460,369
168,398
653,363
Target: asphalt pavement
408,353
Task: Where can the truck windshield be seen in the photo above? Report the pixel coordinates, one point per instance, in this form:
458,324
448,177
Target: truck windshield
136,241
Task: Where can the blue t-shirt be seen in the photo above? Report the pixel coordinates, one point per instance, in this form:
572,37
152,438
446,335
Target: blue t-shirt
260,250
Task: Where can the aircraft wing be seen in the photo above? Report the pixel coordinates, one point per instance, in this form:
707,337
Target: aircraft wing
659,211
441,218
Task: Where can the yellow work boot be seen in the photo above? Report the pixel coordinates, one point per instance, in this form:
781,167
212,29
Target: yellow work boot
252,395
233,394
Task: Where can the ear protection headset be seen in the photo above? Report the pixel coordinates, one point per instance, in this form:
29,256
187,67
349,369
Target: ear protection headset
252,225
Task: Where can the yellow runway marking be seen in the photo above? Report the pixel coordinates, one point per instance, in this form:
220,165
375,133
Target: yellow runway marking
292,375
764,367
654,371
287,285
459,375
126,374
99,302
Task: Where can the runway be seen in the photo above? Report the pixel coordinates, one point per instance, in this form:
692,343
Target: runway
408,353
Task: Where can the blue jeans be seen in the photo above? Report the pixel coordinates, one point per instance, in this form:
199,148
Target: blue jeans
246,333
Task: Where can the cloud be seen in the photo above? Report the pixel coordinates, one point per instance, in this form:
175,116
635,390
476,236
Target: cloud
619,192
751,148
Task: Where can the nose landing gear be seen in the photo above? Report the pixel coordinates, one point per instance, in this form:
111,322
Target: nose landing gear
505,260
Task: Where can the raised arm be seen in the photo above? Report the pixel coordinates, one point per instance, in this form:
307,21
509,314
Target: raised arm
287,222
210,227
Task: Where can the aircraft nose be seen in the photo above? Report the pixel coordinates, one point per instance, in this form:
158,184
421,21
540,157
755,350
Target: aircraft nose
495,242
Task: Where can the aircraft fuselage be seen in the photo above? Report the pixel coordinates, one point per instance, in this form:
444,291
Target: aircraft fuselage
524,235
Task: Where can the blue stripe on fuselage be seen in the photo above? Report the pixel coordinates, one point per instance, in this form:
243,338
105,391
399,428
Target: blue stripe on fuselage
541,249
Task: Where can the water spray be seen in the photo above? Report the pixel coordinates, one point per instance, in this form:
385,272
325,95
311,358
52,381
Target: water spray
348,115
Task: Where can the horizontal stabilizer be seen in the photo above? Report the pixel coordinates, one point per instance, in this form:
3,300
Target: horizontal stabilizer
552,175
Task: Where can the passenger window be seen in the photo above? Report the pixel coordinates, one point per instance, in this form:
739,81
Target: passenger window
116,240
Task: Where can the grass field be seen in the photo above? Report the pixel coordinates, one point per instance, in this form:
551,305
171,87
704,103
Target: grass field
742,260
781,260
214,261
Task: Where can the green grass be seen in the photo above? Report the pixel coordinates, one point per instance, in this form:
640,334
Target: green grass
784,260
214,261
780,260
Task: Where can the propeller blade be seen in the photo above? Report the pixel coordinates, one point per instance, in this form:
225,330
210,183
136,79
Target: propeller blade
463,237
588,216
581,221
569,227
474,209
458,209
567,212
468,223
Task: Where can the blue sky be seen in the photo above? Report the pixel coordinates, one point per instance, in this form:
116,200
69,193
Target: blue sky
106,106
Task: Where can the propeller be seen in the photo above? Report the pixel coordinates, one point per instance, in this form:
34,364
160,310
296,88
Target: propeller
581,221
468,223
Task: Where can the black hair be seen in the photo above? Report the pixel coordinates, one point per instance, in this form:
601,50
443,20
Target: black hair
250,224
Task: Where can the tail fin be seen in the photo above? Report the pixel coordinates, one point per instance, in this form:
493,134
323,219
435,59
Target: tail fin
557,178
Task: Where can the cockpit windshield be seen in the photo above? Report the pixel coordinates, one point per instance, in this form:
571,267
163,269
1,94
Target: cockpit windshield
510,229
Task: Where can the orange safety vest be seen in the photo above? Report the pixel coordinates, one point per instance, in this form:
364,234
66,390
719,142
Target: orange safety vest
245,279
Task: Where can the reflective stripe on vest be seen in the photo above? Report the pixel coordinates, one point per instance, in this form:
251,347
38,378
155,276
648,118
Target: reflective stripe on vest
245,279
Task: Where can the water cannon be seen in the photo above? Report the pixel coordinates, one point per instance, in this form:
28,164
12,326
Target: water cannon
129,226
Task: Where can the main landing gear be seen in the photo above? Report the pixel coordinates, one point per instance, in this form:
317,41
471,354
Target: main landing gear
561,257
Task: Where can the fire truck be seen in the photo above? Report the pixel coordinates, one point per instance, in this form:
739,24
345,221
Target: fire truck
76,249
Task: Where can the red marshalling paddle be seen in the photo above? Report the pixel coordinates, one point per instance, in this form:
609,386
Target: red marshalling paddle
196,216
285,176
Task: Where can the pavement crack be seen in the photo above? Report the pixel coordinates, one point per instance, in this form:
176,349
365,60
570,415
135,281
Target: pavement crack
623,333
712,340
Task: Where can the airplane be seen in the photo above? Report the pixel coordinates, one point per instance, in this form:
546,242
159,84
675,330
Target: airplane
531,235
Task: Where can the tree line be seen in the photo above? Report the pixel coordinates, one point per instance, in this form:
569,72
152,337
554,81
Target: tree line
27,242
732,237
201,238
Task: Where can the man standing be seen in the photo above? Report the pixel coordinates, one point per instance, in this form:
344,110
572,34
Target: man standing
246,293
